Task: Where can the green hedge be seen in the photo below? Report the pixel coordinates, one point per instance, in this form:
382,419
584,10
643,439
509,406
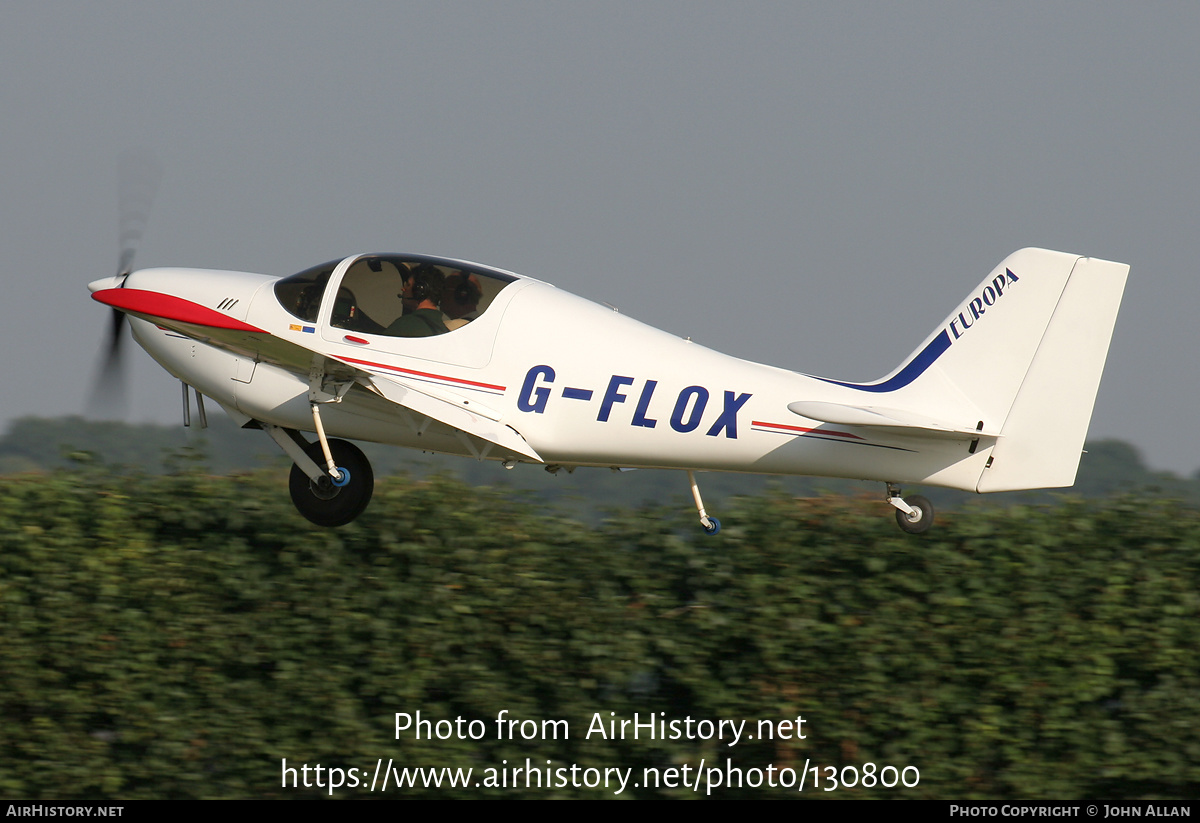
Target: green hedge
178,636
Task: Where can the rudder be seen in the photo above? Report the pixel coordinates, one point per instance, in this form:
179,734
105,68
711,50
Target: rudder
1044,431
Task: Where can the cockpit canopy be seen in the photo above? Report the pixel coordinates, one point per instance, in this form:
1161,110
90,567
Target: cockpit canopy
391,294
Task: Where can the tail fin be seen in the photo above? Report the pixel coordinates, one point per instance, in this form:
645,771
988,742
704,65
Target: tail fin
1044,431
1020,359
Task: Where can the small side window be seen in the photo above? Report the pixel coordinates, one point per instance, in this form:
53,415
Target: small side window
300,295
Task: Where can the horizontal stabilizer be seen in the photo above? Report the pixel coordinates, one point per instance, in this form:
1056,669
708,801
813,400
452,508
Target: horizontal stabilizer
900,420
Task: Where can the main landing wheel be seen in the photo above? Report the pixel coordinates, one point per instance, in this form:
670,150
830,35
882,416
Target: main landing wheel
325,502
922,517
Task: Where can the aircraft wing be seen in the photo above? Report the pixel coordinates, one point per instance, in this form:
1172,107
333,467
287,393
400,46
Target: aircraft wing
454,410
224,332
899,421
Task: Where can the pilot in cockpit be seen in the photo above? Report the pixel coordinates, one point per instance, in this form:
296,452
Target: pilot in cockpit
422,297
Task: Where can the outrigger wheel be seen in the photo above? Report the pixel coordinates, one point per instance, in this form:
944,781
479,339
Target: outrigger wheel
327,502
921,518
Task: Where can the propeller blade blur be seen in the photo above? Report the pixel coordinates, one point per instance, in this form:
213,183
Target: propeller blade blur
138,176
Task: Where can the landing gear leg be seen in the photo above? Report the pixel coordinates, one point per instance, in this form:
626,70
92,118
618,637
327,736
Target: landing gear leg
337,474
711,524
914,515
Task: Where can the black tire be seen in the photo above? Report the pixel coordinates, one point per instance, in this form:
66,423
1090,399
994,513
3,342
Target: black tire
325,504
920,523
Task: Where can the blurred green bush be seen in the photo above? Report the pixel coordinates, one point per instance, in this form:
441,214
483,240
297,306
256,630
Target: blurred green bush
178,636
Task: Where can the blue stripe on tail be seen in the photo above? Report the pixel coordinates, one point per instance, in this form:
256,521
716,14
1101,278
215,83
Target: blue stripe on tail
915,368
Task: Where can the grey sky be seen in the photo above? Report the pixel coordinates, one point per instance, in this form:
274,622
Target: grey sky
810,185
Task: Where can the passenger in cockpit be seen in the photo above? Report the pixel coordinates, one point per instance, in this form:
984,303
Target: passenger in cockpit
422,296
460,299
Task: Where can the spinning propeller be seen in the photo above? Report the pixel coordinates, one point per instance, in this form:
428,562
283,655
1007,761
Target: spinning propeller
138,176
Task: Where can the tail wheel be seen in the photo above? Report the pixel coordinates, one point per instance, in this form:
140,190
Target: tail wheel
324,503
922,517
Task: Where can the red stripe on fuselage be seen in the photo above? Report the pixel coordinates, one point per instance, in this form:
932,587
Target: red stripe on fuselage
783,428
415,373
169,307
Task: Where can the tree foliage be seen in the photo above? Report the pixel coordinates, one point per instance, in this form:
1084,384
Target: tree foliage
179,635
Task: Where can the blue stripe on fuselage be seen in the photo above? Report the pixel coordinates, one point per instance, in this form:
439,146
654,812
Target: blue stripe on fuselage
915,368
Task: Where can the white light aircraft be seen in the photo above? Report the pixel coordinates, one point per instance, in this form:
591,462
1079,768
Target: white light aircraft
449,356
